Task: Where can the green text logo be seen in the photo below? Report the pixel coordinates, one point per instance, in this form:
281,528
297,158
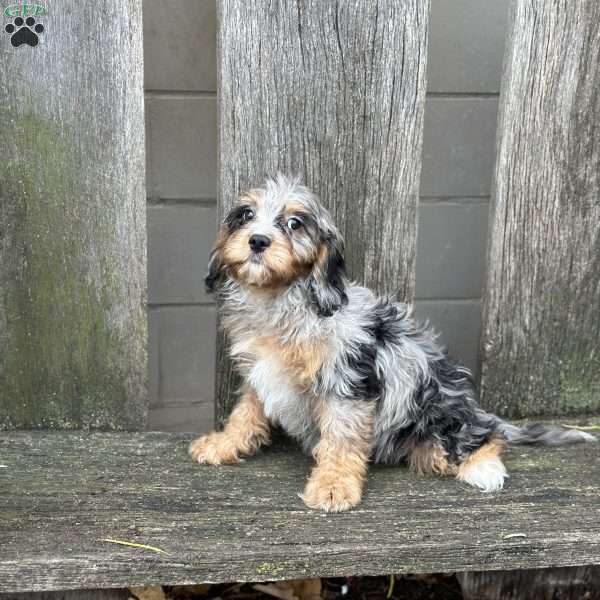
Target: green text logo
25,10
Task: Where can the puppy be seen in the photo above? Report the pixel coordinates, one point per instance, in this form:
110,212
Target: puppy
351,376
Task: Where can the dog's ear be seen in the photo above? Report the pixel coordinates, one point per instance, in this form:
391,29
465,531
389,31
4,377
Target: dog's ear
327,282
215,270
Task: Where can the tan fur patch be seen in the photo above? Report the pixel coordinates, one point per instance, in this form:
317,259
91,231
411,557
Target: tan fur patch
484,469
430,459
246,430
336,482
281,261
492,450
236,249
301,360
278,264
322,255
295,208
252,197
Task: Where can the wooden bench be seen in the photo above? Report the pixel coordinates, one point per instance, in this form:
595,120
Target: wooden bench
336,92
64,495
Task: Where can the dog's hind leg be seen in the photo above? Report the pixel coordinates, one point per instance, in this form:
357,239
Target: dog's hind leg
484,468
246,430
430,458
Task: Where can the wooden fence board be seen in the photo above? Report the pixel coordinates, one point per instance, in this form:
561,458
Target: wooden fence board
541,329
334,92
72,220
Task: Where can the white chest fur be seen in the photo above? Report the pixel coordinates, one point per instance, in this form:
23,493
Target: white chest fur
283,404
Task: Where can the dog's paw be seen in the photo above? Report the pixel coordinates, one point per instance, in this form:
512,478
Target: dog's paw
214,449
332,494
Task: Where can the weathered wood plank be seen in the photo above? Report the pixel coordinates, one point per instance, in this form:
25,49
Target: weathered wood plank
541,333
334,92
110,594
575,583
246,523
72,221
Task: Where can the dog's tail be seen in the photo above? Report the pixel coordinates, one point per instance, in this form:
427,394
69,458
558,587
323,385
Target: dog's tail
536,433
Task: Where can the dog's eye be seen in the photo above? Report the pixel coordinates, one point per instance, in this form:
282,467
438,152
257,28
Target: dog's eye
294,223
248,215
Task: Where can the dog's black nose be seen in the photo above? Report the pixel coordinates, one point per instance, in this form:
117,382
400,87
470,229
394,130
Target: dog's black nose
259,242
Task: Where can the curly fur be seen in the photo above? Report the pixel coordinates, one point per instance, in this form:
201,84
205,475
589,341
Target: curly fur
351,376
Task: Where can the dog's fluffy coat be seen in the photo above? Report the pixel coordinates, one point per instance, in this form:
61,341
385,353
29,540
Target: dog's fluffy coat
351,376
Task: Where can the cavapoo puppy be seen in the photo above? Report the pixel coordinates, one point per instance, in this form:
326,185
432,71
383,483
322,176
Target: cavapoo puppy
351,376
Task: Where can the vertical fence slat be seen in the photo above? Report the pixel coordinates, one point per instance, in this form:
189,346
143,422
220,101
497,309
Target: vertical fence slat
541,333
72,221
334,92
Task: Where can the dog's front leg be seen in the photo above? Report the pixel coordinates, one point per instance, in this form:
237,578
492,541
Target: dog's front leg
246,430
342,454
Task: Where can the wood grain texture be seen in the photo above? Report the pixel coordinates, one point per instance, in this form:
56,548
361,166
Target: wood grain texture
334,92
110,594
541,329
73,221
574,583
246,522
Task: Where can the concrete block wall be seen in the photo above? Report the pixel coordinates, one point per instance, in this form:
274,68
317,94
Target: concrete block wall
181,145
465,57
466,47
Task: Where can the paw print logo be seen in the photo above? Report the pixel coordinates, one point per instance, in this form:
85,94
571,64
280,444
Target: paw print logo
24,32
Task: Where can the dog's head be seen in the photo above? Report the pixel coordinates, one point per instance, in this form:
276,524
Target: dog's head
276,235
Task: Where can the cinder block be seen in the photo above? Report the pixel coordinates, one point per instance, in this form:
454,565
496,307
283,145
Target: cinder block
459,324
180,45
466,45
181,148
179,242
451,249
184,338
458,146
198,418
